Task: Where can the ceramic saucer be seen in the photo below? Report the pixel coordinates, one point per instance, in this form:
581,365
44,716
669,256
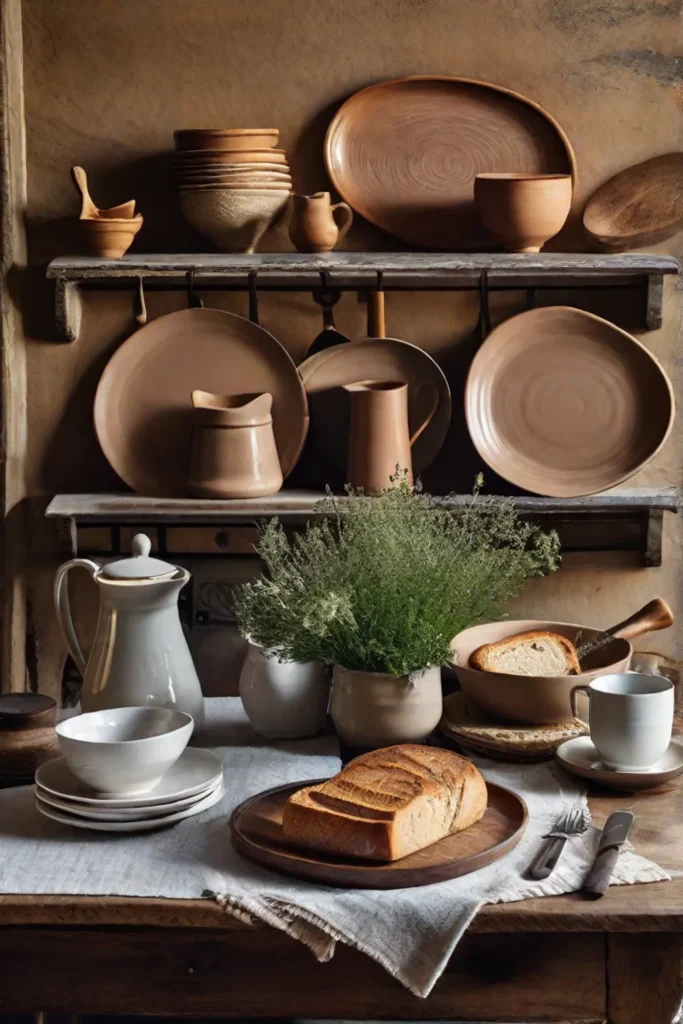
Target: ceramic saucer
194,771
130,826
580,757
123,813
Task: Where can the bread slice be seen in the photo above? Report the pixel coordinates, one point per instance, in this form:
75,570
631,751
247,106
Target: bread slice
537,653
388,803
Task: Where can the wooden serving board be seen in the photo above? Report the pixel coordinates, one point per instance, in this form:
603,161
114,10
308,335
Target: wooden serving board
256,827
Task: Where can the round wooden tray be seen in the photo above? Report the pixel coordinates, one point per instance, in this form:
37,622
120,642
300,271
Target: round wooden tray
256,827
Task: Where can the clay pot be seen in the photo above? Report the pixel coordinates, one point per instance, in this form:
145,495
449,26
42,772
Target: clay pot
27,735
316,224
234,219
225,139
379,438
284,700
523,211
373,709
108,238
233,450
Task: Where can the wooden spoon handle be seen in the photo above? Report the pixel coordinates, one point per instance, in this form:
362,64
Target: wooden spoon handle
652,616
80,180
376,324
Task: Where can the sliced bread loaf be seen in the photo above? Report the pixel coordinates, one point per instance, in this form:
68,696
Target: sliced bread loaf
538,653
388,803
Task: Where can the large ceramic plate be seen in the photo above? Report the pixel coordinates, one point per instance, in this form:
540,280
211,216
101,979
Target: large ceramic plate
563,403
405,153
325,373
143,409
256,827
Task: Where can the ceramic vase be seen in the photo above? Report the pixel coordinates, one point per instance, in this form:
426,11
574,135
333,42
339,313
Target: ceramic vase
233,448
317,224
284,700
374,709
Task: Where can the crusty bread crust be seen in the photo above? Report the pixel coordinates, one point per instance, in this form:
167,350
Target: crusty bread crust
388,803
484,658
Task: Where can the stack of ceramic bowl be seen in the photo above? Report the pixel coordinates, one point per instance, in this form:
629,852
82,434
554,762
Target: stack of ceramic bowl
128,770
233,183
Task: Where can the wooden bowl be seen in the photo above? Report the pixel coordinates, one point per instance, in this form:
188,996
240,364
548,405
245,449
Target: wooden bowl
234,219
108,238
225,139
523,211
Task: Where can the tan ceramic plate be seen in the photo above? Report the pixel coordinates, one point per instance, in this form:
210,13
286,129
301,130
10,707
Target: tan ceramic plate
143,410
580,757
405,153
256,827
563,403
216,156
325,374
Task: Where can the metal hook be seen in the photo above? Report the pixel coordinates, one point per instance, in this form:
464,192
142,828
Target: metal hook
139,307
253,300
484,313
530,298
193,300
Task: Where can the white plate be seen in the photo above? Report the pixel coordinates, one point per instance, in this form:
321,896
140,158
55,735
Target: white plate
124,813
194,771
580,757
130,826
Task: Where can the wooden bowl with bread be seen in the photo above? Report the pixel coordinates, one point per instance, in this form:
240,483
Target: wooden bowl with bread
524,670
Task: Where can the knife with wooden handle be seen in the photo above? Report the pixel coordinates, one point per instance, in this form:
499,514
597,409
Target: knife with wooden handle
614,835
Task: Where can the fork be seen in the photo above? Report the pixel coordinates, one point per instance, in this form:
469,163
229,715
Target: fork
572,823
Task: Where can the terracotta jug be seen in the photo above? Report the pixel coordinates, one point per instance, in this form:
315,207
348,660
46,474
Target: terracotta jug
379,439
316,224
233,448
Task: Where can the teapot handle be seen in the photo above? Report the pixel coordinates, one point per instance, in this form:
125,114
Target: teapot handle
61,599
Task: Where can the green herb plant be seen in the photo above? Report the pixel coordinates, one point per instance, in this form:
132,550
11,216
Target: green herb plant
383,582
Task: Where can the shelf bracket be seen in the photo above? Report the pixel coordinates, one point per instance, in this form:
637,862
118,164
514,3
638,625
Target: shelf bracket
67,309
653,538
654,302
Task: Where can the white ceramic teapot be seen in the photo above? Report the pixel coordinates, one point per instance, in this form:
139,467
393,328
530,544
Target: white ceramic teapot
140,655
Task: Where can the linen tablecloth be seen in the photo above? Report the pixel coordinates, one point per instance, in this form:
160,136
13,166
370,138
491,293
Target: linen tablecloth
411,932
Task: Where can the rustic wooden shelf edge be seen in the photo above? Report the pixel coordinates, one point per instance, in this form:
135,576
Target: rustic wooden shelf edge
403,270
628,519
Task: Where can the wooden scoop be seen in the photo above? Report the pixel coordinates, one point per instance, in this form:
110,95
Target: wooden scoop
126,211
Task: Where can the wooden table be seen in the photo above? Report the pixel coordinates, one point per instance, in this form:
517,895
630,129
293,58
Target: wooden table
560,959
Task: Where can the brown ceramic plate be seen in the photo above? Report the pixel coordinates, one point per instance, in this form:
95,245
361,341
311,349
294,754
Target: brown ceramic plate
216,156
256,827
325,374
143,409
639,206
563,403
405,153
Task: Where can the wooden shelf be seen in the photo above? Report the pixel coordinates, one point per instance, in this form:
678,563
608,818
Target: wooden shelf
358,270
626,519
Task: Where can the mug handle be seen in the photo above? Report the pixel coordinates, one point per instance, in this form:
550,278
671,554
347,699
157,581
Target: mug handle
345,218
572,698
430,415
61,598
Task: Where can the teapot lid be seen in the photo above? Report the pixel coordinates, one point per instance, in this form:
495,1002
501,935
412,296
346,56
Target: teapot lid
140,566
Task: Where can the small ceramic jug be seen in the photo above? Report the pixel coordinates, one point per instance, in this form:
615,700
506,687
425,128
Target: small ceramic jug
316,224
233,449
379,439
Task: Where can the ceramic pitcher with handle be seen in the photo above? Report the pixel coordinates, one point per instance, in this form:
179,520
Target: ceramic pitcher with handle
317,224
380,438
140,655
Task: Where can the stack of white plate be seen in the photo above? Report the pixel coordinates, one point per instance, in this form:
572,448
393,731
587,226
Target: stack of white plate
192,785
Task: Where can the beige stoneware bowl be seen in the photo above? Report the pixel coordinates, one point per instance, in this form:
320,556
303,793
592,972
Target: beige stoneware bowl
234,219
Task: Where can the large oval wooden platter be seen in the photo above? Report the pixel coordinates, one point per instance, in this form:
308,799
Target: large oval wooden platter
639,206
256,827
405,153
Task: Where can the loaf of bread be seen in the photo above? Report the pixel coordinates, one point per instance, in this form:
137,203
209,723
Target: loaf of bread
388,803
537,653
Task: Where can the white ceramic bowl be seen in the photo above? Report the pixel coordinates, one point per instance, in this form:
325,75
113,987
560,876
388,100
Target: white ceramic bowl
124,751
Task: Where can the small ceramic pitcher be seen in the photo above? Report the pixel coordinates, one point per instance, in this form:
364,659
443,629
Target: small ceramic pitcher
380,439
316,224
233,450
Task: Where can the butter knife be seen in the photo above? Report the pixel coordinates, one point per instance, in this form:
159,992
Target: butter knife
614,835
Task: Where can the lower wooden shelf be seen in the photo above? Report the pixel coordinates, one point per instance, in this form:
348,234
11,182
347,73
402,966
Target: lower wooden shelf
622,520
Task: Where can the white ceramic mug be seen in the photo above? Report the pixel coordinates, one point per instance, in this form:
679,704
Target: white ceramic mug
630,718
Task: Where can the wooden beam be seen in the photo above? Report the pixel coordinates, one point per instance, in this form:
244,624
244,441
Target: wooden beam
13,437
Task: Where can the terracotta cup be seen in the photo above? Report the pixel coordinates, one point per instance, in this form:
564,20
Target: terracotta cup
523,211
380,439
233,450
317,224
